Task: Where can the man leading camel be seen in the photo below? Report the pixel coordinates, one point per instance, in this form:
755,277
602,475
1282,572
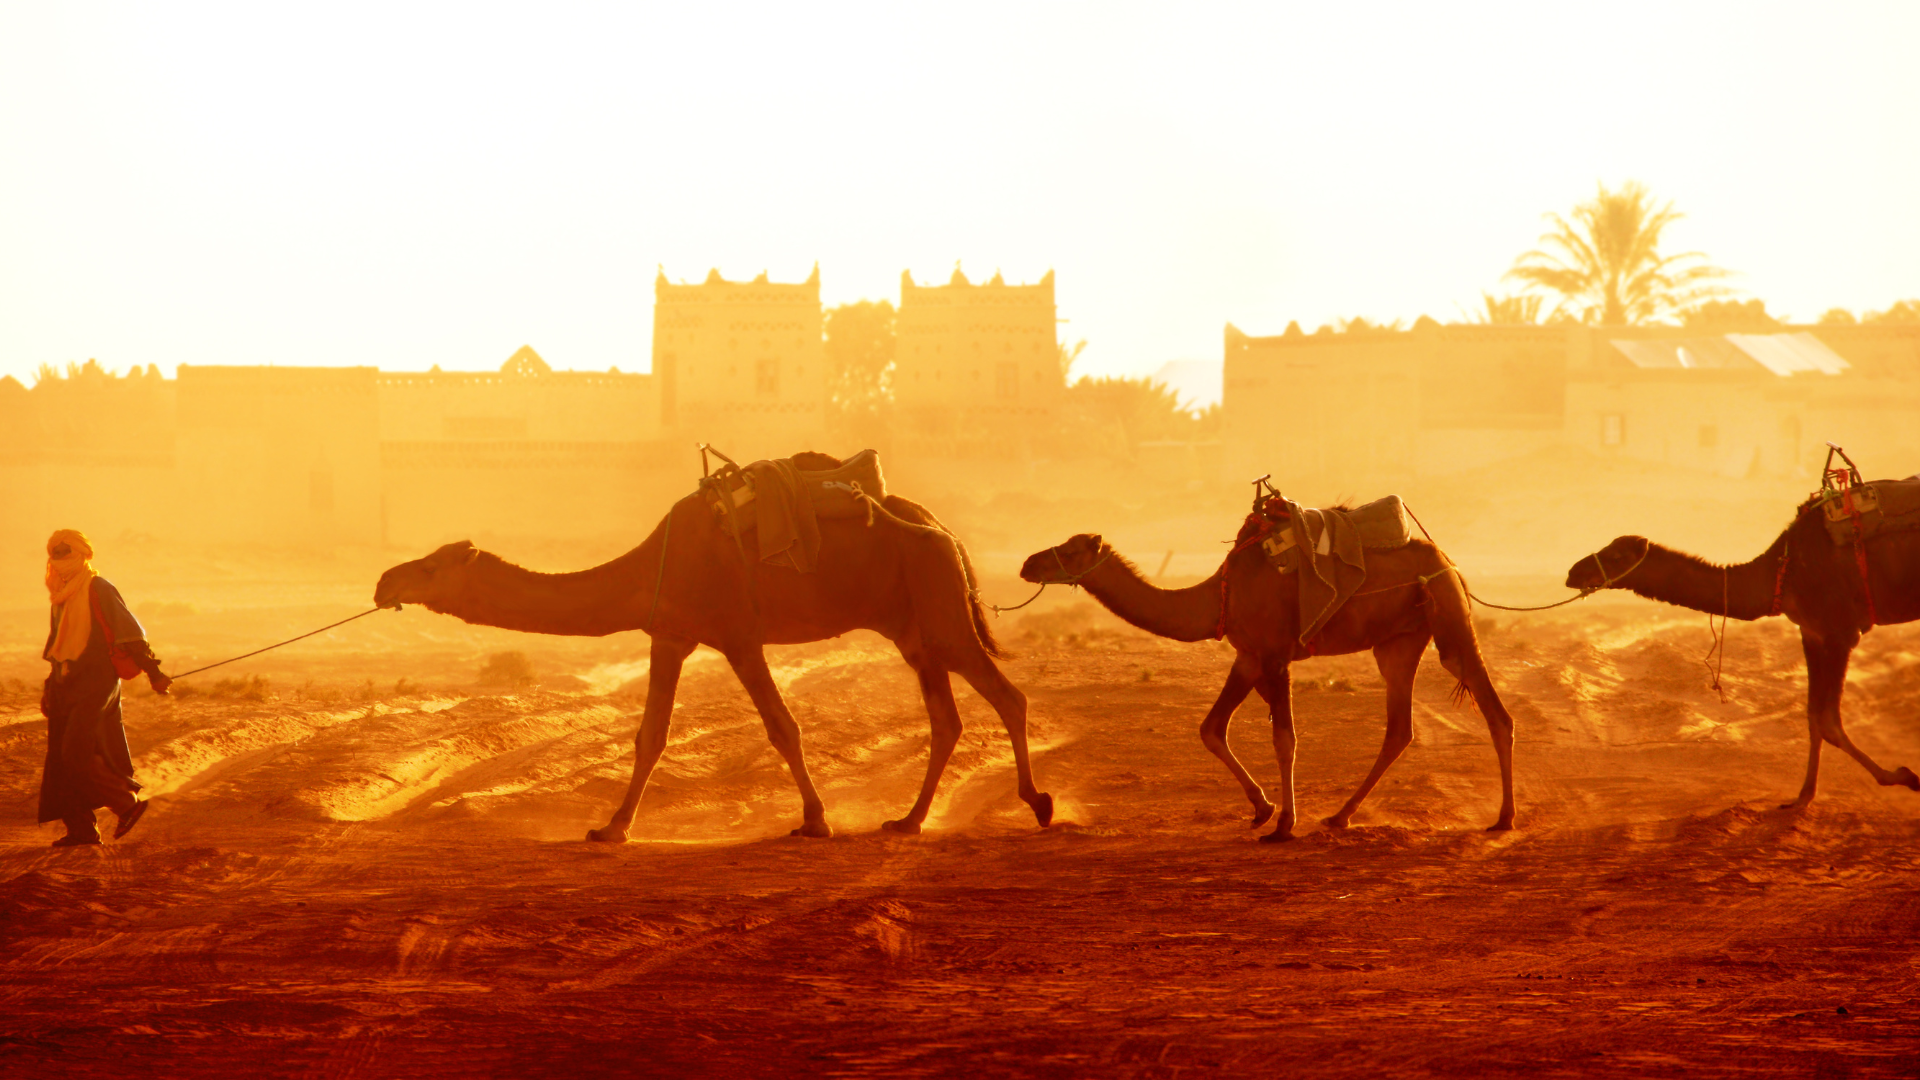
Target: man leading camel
93,641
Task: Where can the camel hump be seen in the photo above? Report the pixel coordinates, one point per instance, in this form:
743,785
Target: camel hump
815,461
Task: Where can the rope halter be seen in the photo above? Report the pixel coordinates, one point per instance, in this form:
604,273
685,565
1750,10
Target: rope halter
1067,577
1608,582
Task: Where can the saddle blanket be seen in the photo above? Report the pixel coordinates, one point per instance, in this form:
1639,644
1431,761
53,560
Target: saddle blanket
1331,545
1883,505
781,503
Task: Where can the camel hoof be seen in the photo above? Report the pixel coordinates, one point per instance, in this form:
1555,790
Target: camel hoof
1334,822
1501,826
608,835
817,830
905,828
1276,837
1904,777
1043,809
1260,815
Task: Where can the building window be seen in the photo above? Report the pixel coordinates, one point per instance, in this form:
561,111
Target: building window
766,378
1709,436
1613,429
1007,381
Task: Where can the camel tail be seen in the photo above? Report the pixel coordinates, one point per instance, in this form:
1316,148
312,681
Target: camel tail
1451,619
1462,693
916,518
975,608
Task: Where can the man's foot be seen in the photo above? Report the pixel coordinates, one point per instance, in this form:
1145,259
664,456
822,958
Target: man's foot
77,840
128,820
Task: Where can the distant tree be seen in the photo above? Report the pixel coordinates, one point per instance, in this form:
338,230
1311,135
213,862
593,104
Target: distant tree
1069,355
1838,317
89,372
1140,410
1731,316
1606,265
860,353
1512,310
1906,313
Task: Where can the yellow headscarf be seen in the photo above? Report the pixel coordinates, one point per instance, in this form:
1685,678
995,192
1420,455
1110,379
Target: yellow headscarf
69,582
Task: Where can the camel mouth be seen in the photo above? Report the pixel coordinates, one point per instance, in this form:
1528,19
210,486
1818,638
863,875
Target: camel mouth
386,594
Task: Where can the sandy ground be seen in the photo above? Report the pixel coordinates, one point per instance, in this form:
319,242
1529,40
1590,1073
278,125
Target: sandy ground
361,863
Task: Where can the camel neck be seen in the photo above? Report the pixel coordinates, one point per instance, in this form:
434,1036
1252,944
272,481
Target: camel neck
1190,614
596,601
1741,590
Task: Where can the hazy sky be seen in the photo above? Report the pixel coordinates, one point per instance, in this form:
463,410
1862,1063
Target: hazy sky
408,185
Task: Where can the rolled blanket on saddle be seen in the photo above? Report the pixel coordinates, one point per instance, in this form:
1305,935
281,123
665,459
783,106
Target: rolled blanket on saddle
1328,547
780,501
1875,507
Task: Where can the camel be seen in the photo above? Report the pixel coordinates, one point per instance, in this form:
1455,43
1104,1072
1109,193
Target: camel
1412,596
903,575
1803,575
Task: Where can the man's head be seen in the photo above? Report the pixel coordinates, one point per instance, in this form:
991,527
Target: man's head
68,543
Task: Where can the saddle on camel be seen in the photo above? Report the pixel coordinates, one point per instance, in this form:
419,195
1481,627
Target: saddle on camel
1850,561
1303,582
778,552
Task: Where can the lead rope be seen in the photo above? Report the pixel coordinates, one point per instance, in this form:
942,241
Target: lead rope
1071,580
270,648
660,576
1606,582
1716,657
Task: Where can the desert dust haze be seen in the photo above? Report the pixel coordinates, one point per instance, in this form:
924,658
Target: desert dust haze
366,858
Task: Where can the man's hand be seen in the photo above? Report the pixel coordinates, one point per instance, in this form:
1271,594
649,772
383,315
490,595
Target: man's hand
158,681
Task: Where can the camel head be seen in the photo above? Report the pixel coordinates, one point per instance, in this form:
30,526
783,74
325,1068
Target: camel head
427,581
1066,563
1605,568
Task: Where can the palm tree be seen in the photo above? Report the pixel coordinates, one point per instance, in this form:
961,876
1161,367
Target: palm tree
1508,310
1606,263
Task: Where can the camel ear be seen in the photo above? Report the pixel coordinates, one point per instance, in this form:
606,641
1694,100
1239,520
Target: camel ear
458,553
1094,541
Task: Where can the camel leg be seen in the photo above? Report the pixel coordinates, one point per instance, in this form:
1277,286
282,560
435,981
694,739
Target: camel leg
1500,727
783,731
1836,734
1823,687
1399,661
1213,733
991,683
1276,685
937,690
663,678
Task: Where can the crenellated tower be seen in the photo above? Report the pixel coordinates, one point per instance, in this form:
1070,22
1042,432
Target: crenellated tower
741,364
977,367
